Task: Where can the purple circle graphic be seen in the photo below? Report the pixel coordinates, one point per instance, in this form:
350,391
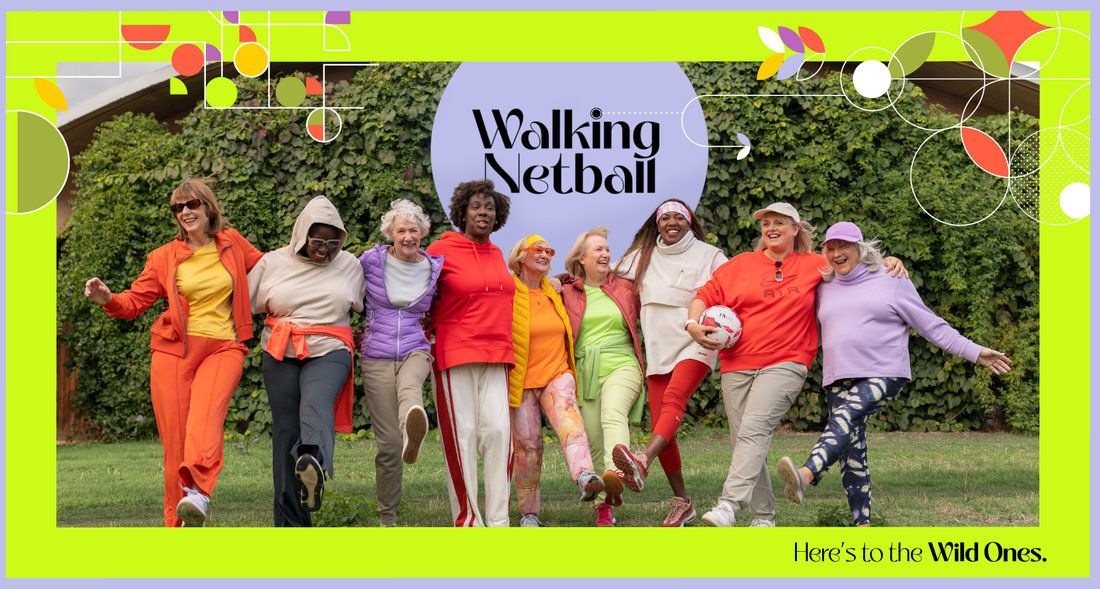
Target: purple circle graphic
574,145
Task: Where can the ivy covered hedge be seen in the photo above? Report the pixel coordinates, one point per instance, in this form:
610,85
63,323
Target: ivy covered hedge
831,160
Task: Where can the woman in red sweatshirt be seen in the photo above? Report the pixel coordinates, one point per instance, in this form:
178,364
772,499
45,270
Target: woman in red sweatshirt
197,352
472,328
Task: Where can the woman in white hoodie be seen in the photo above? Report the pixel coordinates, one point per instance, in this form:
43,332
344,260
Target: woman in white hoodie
308,289
668,261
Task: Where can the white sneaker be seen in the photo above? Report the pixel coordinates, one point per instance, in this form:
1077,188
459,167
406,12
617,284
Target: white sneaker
762,523
192,508
529,520
795,488
721,516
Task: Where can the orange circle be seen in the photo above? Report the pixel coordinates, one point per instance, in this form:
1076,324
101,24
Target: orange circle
250,59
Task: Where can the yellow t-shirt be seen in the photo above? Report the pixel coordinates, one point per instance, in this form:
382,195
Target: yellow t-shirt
208,288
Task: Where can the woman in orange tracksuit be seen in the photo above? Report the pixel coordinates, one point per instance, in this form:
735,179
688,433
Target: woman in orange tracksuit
197,352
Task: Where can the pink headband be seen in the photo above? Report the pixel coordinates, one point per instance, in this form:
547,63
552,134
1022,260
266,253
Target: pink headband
673,207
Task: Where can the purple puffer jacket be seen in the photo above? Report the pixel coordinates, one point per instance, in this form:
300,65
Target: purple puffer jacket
392,332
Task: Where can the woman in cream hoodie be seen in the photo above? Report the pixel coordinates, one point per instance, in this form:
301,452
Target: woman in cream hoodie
308,290
668,262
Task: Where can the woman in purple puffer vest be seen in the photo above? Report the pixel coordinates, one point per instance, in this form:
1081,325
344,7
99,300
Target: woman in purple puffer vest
401,283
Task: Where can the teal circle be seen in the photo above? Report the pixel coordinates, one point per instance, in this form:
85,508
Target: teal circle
290,92
221,92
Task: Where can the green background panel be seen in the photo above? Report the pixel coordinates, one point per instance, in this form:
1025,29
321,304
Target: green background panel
33,539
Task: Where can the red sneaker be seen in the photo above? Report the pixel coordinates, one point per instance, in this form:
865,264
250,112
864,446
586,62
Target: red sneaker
681,513
633,466
605,516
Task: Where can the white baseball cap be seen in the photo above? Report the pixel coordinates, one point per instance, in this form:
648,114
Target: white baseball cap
779,207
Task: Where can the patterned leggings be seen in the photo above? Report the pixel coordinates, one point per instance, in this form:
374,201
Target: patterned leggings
558,401
851,402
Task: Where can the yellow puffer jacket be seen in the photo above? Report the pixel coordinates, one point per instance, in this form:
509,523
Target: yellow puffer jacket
521,335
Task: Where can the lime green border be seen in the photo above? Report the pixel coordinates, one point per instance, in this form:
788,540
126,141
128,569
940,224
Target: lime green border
35,547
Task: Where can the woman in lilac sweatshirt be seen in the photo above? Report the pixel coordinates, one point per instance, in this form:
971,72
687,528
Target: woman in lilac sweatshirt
401,283
865,318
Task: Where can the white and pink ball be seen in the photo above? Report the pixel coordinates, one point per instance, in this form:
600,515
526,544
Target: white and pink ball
726,322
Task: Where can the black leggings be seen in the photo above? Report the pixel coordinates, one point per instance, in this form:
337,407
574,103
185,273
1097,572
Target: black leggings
301,394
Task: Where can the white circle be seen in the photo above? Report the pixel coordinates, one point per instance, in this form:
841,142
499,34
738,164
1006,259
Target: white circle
1074,200
871,79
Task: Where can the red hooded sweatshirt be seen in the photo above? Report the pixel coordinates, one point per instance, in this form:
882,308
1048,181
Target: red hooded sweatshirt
472,316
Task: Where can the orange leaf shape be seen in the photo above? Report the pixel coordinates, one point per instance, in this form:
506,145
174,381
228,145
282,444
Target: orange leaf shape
811,39
985,151
50,94
770,66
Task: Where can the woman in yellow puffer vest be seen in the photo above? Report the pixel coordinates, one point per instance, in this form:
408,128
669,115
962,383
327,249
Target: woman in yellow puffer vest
544,377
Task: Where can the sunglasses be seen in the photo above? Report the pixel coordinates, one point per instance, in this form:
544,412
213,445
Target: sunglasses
331,243
779,271
538,249
190,205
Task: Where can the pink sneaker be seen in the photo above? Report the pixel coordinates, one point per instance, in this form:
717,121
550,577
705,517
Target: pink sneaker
633,466
605,516
681,513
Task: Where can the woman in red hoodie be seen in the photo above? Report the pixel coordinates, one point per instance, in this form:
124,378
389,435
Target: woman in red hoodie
472,328
197,352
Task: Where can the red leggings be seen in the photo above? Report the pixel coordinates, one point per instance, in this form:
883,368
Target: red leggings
668,397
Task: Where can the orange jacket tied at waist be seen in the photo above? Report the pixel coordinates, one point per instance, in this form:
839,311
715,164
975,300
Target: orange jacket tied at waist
276,346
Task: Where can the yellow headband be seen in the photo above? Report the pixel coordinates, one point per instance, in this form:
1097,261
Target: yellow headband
533,239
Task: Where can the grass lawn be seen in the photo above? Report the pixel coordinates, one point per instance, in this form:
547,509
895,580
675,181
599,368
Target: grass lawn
963,479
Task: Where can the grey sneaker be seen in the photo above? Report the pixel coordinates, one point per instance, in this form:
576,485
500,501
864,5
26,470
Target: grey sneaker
192,508
529,520
795,485
721,516
762,523
590,484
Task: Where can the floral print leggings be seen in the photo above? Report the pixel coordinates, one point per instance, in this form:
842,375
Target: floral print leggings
851,402
558,401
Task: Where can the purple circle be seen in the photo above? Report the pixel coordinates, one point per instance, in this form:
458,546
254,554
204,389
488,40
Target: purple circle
548,164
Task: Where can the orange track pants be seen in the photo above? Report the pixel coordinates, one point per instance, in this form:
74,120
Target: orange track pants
190,398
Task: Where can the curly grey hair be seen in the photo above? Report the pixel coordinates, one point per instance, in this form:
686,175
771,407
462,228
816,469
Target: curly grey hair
869,253
407,210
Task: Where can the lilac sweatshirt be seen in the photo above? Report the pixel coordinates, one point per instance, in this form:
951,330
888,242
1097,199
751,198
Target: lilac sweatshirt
865,319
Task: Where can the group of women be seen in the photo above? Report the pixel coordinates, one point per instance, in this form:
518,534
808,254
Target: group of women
505,350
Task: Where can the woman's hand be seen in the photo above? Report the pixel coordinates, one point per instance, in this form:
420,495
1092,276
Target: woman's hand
357,337
699,334
555,284
97,291
895,267
994,360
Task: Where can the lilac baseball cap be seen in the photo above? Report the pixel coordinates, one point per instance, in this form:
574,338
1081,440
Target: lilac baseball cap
844,231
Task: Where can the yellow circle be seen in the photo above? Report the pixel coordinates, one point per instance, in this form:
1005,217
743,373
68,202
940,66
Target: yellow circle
250,59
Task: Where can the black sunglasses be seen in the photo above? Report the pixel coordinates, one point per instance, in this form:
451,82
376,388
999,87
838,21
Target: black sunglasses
190,205
779,271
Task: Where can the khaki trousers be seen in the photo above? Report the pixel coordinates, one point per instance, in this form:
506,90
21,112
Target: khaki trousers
755,401
391,389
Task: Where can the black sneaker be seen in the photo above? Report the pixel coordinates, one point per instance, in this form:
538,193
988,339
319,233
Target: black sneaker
311,482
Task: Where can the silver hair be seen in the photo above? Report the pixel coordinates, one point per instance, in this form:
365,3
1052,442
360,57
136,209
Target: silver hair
870,253
408,211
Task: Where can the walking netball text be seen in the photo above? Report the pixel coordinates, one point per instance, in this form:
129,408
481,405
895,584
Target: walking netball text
638,175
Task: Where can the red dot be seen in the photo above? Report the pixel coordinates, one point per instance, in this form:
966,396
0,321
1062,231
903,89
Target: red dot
187,60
